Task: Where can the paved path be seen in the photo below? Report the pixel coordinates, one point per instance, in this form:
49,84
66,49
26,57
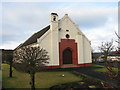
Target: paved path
89,71
100,75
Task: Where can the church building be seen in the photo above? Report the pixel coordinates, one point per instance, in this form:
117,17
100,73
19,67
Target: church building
66,45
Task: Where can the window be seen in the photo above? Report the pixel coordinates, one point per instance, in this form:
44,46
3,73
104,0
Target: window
67,36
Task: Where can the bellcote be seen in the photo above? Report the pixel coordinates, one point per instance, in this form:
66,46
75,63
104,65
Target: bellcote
54,17
54,22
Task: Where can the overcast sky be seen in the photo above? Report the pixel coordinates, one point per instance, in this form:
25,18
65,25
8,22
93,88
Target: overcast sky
97,20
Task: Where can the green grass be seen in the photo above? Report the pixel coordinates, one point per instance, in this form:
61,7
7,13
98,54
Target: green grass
43,79
103,68
96,65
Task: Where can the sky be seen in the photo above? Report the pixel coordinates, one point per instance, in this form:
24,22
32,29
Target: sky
97,20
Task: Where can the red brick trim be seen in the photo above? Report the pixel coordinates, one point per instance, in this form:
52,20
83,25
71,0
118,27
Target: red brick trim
81,65
50,67
58,66
88,64
84,64
71,44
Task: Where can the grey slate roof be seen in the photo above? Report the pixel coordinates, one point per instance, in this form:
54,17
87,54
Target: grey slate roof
34,37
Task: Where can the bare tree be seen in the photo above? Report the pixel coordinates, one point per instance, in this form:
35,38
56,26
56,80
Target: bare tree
8,57
33,58
118,37
118,41
106,48
112,74
118,62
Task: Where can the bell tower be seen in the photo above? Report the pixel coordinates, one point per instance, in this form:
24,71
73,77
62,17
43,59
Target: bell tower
54,39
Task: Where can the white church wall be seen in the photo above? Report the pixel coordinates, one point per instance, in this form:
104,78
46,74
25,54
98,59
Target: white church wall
87,51
80,48
45,43
66,24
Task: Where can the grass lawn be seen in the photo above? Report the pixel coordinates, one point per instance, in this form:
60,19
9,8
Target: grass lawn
43,79
102,69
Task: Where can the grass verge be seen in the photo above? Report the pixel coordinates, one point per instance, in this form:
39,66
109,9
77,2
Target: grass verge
43,79
102,68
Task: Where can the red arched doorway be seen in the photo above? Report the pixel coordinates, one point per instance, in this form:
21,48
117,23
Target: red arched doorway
67,56
68,53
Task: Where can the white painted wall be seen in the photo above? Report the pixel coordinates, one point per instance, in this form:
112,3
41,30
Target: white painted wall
66,24
80,48
45,43
86,51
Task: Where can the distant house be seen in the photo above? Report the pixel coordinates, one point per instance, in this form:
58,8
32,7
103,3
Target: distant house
66,45
114,58
99,57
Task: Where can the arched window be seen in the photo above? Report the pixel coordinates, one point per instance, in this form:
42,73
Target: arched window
54,18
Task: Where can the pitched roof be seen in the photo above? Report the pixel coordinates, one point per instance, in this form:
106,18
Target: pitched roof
35,36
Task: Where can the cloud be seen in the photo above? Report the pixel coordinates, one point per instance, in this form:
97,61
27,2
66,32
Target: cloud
95,17
21,20
9,45
99,35
89,15
59,1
